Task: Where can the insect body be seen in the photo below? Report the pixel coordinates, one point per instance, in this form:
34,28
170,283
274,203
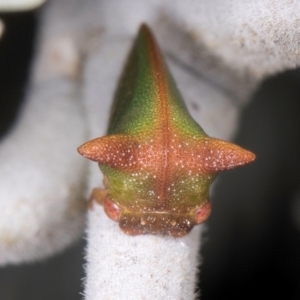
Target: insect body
157,162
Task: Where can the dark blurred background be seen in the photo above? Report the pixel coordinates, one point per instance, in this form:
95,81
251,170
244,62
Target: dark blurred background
252,246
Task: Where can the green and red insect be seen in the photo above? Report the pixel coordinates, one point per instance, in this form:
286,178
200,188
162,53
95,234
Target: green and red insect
157,162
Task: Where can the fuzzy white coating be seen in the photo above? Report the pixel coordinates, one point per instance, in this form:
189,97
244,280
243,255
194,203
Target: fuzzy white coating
139,267
42,177
19,5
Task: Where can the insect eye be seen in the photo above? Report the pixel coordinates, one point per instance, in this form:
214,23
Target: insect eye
111,209
203,213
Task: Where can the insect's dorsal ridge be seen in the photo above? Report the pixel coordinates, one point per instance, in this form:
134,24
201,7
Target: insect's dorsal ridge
147,95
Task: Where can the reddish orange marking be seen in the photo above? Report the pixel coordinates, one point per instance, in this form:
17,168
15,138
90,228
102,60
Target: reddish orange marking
159,72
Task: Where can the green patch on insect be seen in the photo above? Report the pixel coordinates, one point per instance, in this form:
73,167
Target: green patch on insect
157,162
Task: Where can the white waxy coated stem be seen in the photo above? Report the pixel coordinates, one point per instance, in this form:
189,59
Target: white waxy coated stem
19,5
42,177
141,267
